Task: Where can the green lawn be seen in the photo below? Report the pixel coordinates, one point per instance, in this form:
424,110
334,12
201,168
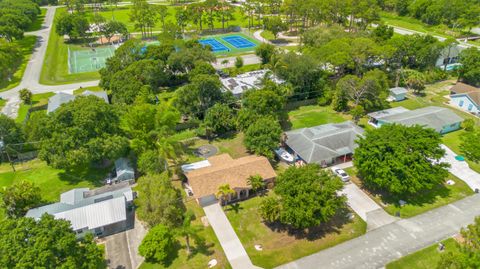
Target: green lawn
426,258
452,140
279,246
55,67
233,71
202,253
122,14
267,35
308,116
420,202
92,89
393,19
38,100
26,46
52,182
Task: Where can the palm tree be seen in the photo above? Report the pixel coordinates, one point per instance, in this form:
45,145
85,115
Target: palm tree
224,191
256,182
187,230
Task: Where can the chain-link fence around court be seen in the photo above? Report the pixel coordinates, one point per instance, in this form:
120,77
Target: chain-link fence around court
88,60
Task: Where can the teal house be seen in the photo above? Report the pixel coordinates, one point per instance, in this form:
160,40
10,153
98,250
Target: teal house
398,94
442,120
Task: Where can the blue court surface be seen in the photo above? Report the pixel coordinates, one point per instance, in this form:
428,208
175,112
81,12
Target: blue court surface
214,44
239,42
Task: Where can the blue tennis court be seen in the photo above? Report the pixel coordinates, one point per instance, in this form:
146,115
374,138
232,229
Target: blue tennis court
214,44
239,42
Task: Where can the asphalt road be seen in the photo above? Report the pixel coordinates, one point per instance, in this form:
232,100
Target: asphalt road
31,76
380,246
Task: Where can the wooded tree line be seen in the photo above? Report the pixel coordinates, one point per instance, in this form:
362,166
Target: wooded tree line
16,16
456,14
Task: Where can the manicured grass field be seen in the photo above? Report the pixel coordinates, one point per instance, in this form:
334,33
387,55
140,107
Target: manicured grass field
201,254
52,182
55,66
26,46
417,25
420,202
233,71
308,116
279,246
426,258
267,35
122,14
453,140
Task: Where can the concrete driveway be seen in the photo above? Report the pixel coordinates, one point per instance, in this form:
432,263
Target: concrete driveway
461,169
233,248
121,249
365,207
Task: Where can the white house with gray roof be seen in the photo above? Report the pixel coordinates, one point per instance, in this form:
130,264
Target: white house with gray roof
90,211
442,120
61,98
324,144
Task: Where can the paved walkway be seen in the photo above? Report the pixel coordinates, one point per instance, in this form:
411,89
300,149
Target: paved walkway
385,244
461,169
236,254
248,59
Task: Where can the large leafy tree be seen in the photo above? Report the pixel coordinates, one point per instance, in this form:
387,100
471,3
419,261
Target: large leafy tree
263,101
11,58
159,202
219,119
158,245
196,98
468,255
46,243
10,132
470,145
400,159
308,197
80,132
470,70
263,136
18,198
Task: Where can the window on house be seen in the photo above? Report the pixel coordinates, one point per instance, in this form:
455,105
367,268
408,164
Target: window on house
461,103
470,106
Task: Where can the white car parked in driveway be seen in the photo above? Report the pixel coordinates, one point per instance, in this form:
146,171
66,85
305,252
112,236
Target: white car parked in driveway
341,174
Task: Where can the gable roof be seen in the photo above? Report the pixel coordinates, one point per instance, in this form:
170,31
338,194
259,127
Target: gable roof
85,210
460,89
432,117
101,94
60,98
398,90
225,170
57,100
387,112
324,142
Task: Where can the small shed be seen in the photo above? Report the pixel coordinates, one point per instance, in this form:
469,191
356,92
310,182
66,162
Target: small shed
398,94
124,170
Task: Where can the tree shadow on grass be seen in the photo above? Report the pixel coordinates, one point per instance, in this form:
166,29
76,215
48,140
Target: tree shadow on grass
419,198
314,233
236,207
94,175
201,247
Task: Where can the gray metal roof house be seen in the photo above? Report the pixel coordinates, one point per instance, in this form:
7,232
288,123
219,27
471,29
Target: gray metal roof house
90,211
60,98
124,170
324,144
442,120
398,94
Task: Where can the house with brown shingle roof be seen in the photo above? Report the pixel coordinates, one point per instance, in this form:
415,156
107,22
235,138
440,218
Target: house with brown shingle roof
466,97
205,177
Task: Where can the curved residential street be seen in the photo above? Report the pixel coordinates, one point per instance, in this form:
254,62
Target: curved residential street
32,72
